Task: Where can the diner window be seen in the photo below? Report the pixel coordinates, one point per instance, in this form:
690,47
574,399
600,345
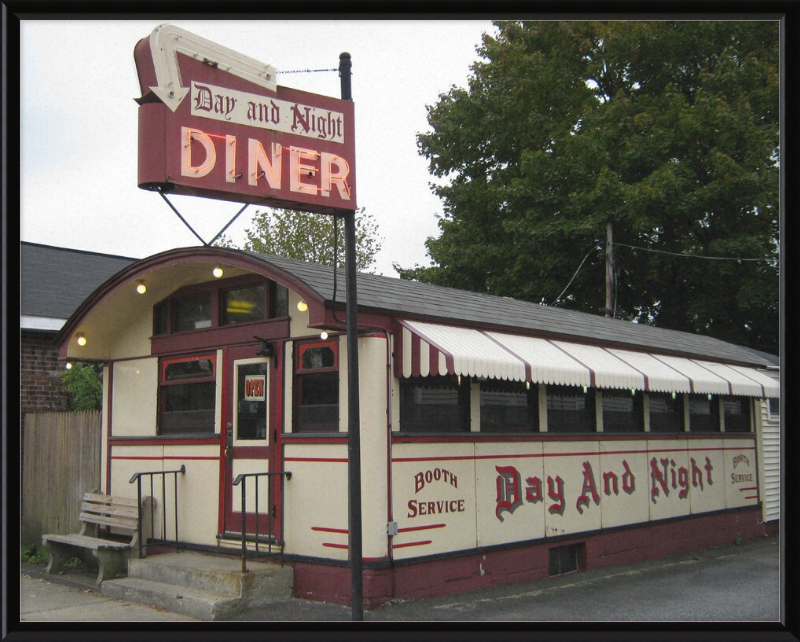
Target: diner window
737,414
187,396
703,413
509,406
434,404
238,300
316,387
666,412
623,411
570,409
243,304
774,408
193,312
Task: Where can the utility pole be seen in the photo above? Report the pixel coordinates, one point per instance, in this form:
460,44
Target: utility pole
353,415
609,310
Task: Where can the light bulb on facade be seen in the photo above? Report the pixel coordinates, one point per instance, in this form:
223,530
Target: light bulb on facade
217,272
302,306
68,366
81,339
141,288
323,335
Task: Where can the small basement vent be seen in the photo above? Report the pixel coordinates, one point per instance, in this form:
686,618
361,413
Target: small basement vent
564,559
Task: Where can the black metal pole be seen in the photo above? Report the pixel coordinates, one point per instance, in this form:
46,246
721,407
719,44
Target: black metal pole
353,414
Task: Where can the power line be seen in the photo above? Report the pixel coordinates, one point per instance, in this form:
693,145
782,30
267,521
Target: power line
692,256
596,247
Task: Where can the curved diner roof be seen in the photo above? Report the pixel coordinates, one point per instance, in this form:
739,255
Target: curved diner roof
392,298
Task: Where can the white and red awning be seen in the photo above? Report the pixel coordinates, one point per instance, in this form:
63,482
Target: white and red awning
428,349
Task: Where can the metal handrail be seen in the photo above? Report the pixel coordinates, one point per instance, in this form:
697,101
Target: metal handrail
137,477
242,479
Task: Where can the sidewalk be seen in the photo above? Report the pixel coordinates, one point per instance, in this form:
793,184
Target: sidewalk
699,587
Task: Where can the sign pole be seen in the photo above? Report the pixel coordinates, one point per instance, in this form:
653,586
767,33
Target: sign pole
354,422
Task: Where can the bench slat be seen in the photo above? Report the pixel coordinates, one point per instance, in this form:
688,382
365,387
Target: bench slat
121,511
118,522
84,541
109,499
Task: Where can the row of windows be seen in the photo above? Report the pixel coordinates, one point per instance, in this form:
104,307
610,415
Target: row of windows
220,306
187,400
442,404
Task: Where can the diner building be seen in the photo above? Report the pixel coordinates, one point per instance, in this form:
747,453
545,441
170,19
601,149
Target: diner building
501,441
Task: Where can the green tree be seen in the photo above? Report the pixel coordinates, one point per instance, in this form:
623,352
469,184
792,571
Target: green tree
84,386
309,237
666,130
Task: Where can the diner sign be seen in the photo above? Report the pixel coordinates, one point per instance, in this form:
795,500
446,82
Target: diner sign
214,123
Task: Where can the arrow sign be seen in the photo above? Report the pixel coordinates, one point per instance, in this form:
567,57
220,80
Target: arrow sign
167,41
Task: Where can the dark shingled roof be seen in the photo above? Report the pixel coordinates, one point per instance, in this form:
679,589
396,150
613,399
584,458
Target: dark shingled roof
54,281
411,299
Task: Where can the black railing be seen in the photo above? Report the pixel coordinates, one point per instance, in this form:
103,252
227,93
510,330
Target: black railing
272,539
163,473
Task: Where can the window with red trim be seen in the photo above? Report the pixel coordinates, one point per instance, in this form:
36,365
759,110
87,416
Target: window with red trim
187,395
316,387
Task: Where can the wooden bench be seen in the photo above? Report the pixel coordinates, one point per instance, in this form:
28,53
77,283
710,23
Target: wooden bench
111,553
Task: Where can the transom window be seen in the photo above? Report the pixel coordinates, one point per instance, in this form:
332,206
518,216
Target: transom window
212,305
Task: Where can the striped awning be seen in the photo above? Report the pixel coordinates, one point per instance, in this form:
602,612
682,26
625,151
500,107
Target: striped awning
428,349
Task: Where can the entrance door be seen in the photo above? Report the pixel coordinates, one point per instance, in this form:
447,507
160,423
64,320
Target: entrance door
249,446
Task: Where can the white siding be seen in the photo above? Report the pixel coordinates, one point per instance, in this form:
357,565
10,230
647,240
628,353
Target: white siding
770,443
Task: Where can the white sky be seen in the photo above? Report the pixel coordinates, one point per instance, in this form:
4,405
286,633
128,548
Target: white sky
79,138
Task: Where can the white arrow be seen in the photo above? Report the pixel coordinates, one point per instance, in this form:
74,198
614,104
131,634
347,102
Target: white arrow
167,41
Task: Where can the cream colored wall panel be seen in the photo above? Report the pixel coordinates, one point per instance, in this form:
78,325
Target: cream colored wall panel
315,500
741,478
511,492
128,460
134,398
245,466
198,502
373,374
668,469
706,479
623,483
571,472
433,489
134,338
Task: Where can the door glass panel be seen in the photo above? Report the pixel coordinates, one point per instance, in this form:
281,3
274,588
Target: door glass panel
251,401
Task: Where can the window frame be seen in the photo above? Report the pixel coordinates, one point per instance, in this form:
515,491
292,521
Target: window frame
300,375
165,310
679,414
461,423
746,414
531,391
715,419
590,411
637,410
164,385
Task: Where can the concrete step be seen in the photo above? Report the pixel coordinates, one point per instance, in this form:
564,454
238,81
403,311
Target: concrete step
205,586
203,605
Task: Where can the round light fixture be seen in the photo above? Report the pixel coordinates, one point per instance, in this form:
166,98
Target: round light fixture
141,288
302,306
81,339
218,272
323,335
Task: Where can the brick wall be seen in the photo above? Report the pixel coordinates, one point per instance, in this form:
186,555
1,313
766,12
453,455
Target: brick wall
40,387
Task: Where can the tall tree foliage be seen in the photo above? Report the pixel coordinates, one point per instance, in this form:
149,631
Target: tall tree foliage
310,237
667,130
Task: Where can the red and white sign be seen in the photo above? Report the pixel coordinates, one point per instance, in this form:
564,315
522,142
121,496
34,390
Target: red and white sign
254,387
213,123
